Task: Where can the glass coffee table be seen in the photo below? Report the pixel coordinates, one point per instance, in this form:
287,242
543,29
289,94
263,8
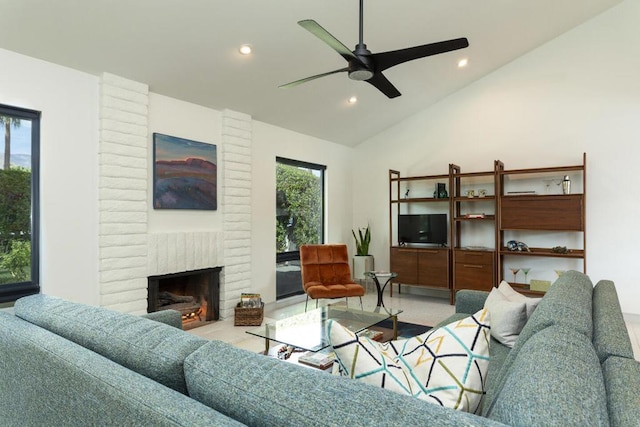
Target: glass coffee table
307,331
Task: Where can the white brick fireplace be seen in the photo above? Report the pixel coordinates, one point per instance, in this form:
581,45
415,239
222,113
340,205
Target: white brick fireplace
128,253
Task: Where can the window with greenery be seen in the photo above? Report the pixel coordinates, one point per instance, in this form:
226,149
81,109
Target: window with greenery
299,219
19,178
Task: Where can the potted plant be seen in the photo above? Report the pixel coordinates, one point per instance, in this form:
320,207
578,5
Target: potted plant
362,261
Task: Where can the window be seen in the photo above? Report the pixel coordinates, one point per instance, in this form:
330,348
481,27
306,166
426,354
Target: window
19,195
299,219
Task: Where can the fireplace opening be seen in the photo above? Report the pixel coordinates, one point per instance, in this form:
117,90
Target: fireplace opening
195,294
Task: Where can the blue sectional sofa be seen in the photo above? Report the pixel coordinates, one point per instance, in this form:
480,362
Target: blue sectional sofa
68,364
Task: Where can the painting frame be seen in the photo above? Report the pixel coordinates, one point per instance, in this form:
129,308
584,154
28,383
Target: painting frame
184,174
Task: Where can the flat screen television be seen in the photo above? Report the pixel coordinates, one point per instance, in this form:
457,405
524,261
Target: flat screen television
422,228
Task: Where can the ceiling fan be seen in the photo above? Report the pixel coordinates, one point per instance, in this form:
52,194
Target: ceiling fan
367,66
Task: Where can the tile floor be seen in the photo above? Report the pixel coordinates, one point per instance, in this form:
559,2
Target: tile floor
425,310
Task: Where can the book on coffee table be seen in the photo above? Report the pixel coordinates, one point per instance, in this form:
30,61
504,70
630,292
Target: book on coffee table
320,360
372,334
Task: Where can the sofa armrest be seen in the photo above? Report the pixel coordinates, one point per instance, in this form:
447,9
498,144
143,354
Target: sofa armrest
469,301
168,317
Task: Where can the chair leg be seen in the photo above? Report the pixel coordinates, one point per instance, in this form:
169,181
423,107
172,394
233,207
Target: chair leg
305,303
316,303
361,308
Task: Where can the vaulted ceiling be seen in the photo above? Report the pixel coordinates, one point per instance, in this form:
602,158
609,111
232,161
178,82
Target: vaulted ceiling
188,49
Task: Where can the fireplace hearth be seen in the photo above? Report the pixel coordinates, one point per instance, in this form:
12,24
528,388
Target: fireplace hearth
195,294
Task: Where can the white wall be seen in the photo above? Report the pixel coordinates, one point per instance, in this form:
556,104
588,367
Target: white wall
270,142
578,93
68,100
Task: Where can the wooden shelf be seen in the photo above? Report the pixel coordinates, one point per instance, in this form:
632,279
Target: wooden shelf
545,252
577,168
422,200
474,199
521,215
485,218
524,289
420,178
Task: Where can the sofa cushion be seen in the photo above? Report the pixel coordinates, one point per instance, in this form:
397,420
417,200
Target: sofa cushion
446,366
260,390
610,336
150,348
507,317
569,303
622,379
47,380
554,380
515,296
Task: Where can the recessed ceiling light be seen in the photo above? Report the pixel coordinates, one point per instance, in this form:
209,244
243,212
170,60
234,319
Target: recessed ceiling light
245,49
352,100
463,63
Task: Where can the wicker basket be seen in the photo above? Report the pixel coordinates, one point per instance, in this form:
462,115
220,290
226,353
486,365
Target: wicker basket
245,316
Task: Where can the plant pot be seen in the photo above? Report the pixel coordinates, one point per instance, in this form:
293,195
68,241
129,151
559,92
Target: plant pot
362,263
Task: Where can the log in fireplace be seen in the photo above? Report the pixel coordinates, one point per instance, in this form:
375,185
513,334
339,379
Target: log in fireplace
195,294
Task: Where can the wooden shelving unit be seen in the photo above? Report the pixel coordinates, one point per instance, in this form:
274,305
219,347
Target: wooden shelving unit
473,267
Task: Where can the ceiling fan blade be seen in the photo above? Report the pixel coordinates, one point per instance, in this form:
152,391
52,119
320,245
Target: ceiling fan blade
389,59
380,82
308,79
317,30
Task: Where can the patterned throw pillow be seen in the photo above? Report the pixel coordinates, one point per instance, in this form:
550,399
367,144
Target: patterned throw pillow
445,366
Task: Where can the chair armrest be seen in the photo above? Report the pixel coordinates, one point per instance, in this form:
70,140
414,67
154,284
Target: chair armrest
169,317
469,301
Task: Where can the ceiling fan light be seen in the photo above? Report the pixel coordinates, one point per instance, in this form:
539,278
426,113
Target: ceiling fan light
463,63
245,49
360,75
352,100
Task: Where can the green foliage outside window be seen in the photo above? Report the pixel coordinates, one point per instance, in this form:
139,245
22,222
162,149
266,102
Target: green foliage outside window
15,223
17,260
299,206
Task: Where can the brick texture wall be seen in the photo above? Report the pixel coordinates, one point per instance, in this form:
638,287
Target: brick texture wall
236,208
122,194
128,254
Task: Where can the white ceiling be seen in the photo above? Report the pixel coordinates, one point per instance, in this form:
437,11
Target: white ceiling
188,49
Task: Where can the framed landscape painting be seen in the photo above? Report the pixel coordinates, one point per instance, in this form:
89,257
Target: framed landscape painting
184,174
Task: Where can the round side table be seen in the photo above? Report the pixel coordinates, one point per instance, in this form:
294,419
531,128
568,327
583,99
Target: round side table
377,276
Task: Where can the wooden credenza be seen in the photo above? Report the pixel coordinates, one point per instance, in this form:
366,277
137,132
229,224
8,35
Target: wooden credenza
474,270
421,266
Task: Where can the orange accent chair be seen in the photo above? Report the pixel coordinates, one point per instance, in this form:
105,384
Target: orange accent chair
326,273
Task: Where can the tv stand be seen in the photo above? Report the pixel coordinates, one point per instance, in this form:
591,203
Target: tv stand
420,266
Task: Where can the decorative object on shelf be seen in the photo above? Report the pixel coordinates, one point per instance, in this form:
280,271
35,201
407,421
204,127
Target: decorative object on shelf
362,261
482,193
474,215
470,194
441,191
515,271
525,270
515,246
539,285
566,185
560,250
406,193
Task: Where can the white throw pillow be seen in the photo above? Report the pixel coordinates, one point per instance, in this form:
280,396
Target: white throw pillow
507,317
513,295
445,366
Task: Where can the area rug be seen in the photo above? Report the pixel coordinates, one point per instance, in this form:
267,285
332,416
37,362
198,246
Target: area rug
405,330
